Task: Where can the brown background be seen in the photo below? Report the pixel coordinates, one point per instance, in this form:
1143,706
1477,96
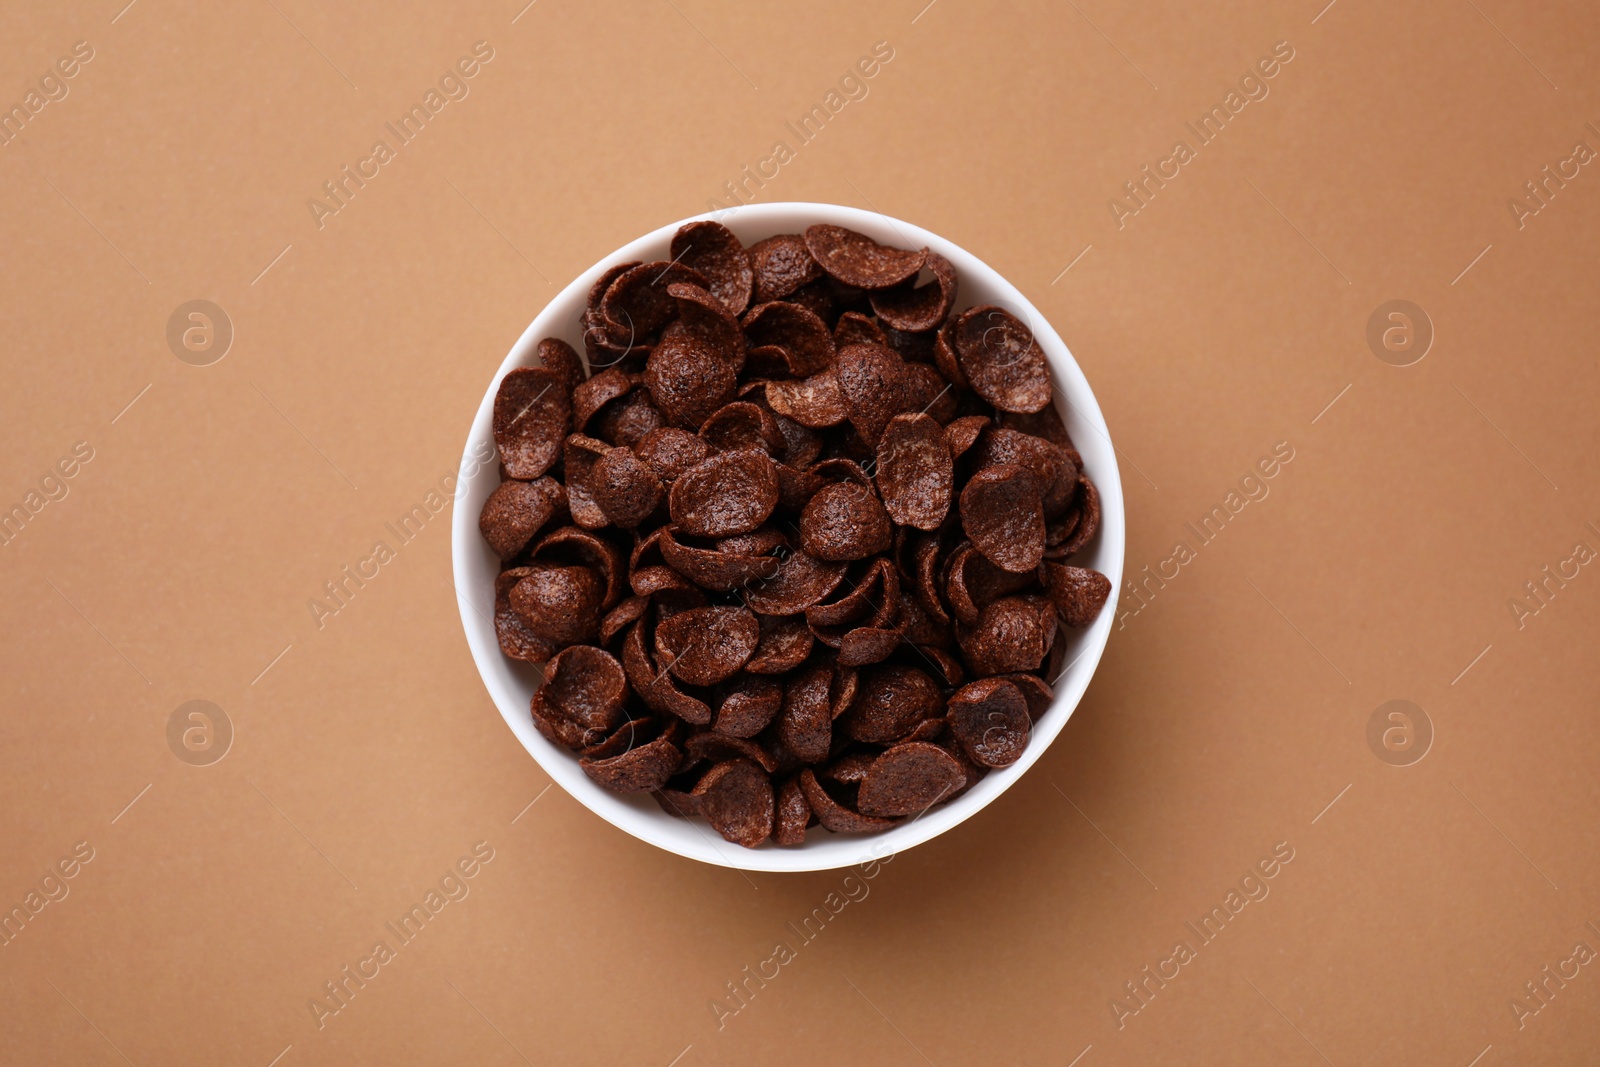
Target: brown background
1226,716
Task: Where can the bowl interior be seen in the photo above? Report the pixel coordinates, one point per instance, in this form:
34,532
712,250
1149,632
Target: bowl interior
511,684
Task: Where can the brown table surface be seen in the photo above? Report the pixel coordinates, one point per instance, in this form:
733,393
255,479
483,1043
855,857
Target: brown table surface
1440,911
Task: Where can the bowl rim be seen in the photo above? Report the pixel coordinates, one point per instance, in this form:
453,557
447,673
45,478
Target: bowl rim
500,675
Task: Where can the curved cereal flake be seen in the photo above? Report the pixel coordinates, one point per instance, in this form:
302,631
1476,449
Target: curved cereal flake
763,362
712,249
963,433
655,686
854,328
749,704
585,686
804,337
972,582
923,308
713,747
815,402
1078,593
1001,359
763,541
915,471
866,601
1089,517
908,779
560,604
736,798
805,722
624,488
785,643
639,770
720,572
891,701
1012,635
595,393
949,667
600,555
742,424
1035,690
845,521
989,720
1003,515
867,644
781,264
924,577
818,297
703,646
834,815
793,814
689,379
1055,470
532,417
676,801
801,581
872,381
579,455
928,392
730,493
801,444
516,639
627,420
624,615
515,511
858,260
561,732
945,356
703,316
670,451
848,769
918,627
628,736
597,291
637,302
647,581
556,355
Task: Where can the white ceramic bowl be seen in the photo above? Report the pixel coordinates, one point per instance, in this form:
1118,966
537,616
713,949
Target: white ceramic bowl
512,684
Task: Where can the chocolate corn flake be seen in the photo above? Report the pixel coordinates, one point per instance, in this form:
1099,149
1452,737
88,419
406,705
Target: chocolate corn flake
804,338
729,493
924,307
703,646
736,798
532,417
989,720
891,701
792,541
1001,359
915,471
793,814
835,815
1078,593
844,521
713,250
1002,512
782,264
638,770
515,511
856,259
908,779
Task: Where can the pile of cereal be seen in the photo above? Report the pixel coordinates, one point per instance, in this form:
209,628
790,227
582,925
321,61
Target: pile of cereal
797,554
